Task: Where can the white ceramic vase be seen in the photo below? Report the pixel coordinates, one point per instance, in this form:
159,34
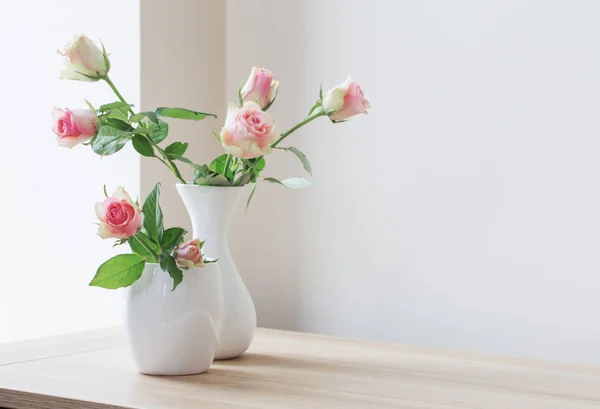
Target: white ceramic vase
210,208
174,332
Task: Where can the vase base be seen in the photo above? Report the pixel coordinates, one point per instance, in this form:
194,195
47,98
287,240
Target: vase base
227,357
173,373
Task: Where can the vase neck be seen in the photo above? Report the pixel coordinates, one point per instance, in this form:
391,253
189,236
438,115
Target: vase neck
210,208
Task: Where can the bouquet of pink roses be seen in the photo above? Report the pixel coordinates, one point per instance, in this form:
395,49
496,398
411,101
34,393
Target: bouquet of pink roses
248,135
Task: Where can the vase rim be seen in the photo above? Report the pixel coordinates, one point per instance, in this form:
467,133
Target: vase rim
206,187
155,264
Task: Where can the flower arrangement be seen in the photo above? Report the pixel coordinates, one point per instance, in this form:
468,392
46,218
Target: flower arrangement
247,136
142,228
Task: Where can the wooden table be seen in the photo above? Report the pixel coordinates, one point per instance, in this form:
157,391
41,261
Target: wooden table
288,370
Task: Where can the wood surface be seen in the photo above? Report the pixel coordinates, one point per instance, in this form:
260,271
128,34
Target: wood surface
288,370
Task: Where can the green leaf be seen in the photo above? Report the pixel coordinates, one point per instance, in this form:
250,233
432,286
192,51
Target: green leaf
118,115
116,110
105,194
182,113
138,248
291,183
296,183
153,217
302,158
150,115
217,136
201,168
202,180
219,180
109,140
119,271
259,163
169,265
244,179
251,195
117,123
118,105
143,131
171,238
143,146
137,117
159,131
218,166
176,149
213,179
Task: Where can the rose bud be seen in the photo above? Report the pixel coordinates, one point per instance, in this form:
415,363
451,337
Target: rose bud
84,61
345,101
189,254
260,87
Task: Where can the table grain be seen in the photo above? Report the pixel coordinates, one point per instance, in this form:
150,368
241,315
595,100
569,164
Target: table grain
93,370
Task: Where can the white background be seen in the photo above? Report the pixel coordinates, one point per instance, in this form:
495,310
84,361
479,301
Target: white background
48,241
461,212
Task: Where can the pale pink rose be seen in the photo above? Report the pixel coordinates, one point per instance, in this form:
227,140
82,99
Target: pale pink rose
345,101
73,127
260,87
120,217
83,59
248,131
189,254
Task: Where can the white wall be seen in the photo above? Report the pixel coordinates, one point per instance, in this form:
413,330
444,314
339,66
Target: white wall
49,246
183,58
463,211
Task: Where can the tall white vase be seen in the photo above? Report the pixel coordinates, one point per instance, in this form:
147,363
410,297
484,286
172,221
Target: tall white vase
174,332
210,208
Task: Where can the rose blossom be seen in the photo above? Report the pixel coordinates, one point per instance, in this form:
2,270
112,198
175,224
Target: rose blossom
189,254
73,127
345,101
120,217
248,131
260,87
83,58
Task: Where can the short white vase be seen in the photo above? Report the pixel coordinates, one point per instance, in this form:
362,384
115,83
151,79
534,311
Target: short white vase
174,332
210,208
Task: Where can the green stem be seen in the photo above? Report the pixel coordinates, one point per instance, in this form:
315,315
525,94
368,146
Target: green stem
116,91
315,115
147,247
167,161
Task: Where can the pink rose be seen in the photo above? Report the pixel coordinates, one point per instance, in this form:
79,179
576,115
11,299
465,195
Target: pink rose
345,101
248,131
73,127
84,61
260,87
189,254
120,217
